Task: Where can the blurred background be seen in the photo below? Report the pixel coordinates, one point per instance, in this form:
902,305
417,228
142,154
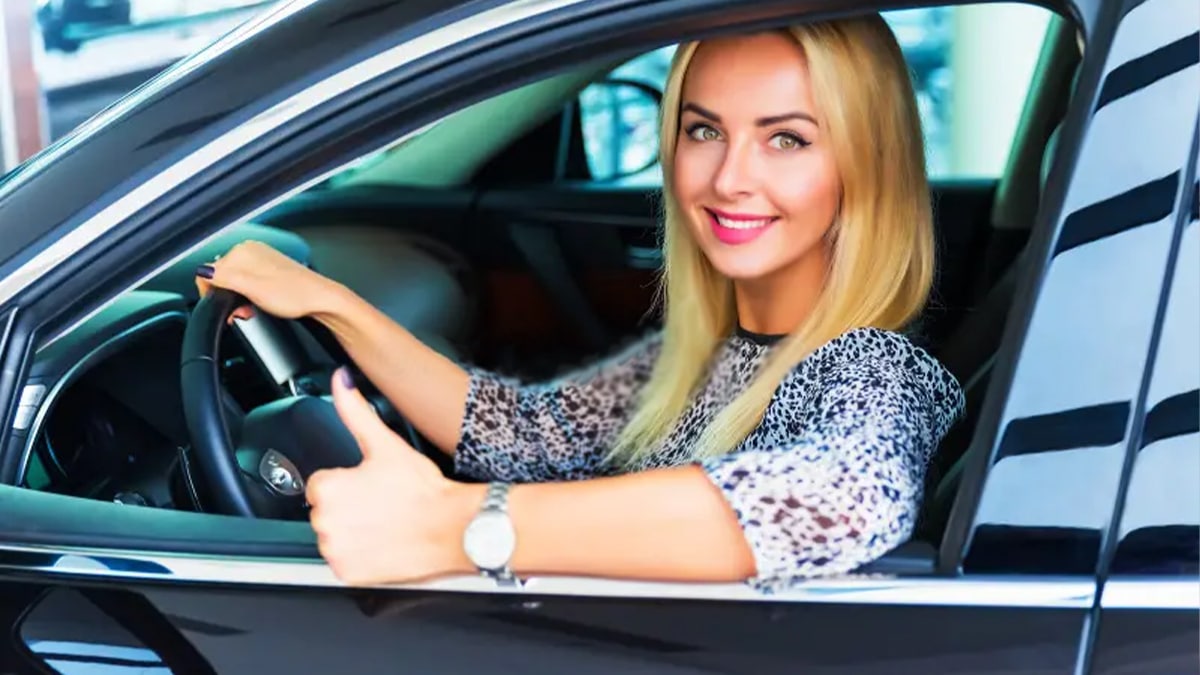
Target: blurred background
95,51
65,60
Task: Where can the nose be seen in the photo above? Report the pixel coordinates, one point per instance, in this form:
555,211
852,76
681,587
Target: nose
737,175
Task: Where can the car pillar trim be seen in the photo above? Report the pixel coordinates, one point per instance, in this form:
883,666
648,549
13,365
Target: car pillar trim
1157,592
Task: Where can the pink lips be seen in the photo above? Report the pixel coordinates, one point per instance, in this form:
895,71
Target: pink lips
737,235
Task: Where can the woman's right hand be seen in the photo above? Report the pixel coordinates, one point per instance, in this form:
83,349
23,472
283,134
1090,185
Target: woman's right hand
270,280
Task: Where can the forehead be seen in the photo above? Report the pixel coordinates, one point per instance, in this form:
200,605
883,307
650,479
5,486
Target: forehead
758,70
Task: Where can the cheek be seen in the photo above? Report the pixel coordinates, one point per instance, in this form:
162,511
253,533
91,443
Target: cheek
808,191
692,173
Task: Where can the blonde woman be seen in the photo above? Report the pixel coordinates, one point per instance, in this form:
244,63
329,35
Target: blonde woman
777,427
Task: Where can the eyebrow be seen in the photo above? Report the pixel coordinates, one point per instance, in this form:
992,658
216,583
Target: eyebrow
761,122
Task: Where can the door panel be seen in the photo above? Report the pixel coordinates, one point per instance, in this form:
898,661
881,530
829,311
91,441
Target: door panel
1149,641
257,631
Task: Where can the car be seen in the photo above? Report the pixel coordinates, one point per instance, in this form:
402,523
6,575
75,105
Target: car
433,156
65,25
60,20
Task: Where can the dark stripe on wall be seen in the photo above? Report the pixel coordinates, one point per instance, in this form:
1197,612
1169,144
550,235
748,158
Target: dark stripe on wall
1142,205
1171,417
1195,203
1146,70
1093,426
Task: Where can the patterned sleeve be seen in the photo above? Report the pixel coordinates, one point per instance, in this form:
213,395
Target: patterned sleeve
557,430
849,488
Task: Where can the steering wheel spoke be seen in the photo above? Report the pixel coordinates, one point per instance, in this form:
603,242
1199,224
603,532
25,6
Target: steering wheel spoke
278,445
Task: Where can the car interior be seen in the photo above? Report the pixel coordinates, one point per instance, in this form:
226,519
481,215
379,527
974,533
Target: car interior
487,236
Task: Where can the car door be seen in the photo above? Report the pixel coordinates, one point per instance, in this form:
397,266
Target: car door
106,584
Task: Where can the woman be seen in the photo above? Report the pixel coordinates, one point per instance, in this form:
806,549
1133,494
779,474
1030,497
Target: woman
775,429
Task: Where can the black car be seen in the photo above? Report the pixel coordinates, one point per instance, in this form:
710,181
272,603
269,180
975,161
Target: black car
431,154
61,21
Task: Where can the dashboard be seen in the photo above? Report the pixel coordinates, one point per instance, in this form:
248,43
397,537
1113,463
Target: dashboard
102,415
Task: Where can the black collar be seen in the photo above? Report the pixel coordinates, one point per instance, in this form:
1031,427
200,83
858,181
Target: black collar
760,338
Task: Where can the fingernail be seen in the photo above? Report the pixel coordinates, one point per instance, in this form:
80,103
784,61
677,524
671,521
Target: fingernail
205,271
345,377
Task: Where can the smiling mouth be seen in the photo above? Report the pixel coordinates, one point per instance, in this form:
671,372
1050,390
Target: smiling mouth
739,222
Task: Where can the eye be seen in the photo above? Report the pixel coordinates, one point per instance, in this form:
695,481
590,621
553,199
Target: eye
788,141
703,132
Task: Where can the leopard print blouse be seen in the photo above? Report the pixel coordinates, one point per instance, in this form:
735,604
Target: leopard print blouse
831,479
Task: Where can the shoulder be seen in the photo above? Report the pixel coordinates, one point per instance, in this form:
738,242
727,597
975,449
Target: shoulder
878,361
883,348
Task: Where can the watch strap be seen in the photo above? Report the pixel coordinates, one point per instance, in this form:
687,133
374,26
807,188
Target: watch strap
496,499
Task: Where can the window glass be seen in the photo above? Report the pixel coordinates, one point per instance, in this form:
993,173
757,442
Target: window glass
969,107
1160,528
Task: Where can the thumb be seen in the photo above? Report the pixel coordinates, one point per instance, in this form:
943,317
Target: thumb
356,413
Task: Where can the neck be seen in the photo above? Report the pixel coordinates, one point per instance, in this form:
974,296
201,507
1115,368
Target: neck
781,302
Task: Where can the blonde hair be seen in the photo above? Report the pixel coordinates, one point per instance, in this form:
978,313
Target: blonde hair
882,248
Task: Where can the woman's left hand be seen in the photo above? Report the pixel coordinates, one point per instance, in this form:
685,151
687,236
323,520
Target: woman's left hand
392,517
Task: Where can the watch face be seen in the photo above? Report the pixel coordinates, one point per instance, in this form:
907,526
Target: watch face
489,540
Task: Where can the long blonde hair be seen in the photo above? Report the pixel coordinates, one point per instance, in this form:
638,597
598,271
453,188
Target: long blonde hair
882,247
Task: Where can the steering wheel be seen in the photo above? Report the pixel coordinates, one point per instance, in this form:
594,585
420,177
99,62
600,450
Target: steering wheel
261,473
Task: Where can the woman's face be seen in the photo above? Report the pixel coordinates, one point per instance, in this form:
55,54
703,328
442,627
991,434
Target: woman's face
754,175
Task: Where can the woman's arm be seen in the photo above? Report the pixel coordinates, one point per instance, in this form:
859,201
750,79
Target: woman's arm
556,430
495,428
844,493
428,388
666,524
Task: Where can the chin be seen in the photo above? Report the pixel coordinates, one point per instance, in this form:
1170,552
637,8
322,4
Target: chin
740,266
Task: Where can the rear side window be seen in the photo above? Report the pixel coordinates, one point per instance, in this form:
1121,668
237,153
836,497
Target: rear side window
1160,528
969,106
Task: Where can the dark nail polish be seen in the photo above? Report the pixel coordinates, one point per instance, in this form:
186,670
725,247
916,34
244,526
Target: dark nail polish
345,377
205,271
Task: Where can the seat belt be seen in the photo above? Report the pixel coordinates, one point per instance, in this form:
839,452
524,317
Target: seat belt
539,246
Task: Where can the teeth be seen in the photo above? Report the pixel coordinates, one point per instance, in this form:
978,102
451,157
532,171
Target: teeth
741,224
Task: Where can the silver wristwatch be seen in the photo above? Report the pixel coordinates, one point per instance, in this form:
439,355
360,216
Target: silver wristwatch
490,538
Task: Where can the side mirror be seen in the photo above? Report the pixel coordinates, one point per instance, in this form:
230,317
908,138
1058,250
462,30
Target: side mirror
620,128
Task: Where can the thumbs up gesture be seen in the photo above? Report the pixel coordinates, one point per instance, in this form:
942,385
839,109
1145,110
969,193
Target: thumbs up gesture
392,518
